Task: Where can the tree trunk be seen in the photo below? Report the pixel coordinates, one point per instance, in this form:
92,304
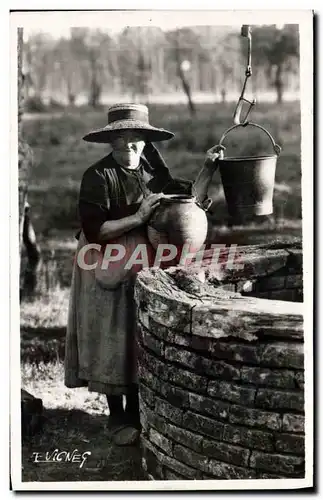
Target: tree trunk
187,88
278,83
25,161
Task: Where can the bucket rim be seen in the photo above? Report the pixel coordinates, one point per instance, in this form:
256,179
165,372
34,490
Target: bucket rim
243,158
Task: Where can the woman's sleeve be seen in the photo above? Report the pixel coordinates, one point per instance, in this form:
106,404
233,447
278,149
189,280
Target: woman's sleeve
94,203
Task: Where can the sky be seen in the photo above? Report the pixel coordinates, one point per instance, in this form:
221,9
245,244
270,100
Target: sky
58,23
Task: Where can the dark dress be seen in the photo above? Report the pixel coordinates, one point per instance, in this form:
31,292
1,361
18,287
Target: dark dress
101,330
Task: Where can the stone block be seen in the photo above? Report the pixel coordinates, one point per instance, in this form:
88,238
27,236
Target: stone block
222,370
186,358
293,423
234,351
299,379
280,400
184,470
152,343
170,475
168,310
187,379
254,418
174,395
203,425
290,443
147,378
191,458
250,438
221,470
282,464
152,363
225,452
287,295
161,441
283,355
294,281
268,377
185,437
169,411
147,395
217,408
231,392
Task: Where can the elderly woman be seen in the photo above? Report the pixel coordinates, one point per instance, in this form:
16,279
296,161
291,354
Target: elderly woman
118,195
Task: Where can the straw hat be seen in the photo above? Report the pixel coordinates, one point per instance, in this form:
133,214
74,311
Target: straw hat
128,116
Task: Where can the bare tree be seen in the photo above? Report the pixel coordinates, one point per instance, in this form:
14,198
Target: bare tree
25,161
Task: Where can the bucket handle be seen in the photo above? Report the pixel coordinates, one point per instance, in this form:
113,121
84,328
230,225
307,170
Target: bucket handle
276,147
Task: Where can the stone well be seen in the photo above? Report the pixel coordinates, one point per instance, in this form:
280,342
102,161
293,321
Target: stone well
221,368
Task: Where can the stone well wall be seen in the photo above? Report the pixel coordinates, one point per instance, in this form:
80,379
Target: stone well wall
222,373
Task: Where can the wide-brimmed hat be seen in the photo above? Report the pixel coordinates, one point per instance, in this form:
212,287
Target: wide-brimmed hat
125,117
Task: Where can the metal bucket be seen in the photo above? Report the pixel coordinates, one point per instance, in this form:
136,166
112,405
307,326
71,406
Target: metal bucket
248,182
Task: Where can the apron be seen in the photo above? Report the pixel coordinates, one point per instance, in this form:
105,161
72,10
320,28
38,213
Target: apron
100,350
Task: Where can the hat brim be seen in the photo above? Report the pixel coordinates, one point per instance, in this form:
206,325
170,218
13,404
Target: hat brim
150,133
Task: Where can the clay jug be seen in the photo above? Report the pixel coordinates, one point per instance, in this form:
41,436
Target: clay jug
178,220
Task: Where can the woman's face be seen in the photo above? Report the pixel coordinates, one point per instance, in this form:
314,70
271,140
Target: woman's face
127,146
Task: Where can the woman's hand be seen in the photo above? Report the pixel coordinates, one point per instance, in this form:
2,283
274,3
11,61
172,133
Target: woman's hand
212,155
148,205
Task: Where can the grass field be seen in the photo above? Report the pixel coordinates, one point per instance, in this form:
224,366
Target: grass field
76,418
61,156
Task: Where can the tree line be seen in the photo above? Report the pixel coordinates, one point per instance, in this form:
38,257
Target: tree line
143,61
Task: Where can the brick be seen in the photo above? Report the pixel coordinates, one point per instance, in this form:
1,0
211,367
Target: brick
160,331
151,342
203,425
218,409
187,379
231,392
174,395
283,355
186,359
148,379
168,411
226,452
147,395
299,379
183,469
286,295
293,423
158,422
170,475
234,351
265,475
221,470
270,283
280,400
166,310
191,458
222,370
152,363
185,437
290,443
254,417
150,459
294,281
156,459
282,464
201,365
161,441
251,438
267,377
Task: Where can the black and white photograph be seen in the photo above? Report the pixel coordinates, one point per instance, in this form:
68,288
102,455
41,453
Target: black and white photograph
161,250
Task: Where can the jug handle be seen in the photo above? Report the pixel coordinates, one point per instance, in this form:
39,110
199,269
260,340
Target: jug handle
276,147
